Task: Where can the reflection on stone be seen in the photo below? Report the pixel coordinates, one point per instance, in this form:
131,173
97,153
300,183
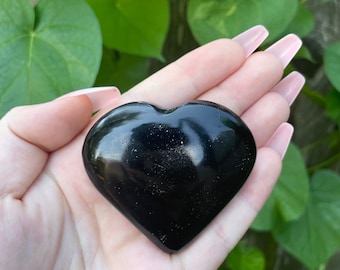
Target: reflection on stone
170,172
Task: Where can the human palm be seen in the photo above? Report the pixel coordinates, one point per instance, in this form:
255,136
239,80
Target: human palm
52,217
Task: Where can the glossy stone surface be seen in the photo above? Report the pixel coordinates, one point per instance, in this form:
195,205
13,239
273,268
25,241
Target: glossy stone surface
170,172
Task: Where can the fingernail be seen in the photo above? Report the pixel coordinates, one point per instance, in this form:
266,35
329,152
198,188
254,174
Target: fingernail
281,139
286,48
290,86
252,38
100,97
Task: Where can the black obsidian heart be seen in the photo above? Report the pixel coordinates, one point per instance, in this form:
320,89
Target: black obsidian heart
170,172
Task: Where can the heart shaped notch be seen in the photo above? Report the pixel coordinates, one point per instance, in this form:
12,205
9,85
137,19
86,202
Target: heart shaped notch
170,172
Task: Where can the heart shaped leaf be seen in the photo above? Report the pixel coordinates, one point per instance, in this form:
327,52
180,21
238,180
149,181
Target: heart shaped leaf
315,236
133,27
46,50
210,19
289,197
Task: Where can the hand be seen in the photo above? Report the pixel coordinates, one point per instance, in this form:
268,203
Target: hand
52,217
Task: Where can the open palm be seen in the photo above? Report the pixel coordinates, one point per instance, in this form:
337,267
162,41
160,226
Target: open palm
52,217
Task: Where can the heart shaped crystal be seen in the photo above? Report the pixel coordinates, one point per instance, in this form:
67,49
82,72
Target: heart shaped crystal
170,172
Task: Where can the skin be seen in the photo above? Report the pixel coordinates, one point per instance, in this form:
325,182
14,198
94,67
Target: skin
53,218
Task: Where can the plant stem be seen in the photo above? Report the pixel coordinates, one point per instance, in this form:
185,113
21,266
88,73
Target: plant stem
323,139
271,252
328,162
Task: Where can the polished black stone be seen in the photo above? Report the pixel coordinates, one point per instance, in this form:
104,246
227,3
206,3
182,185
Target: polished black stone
170,172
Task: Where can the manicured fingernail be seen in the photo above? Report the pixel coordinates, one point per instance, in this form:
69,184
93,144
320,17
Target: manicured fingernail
281,139
286,48
100,97
290,86
252,38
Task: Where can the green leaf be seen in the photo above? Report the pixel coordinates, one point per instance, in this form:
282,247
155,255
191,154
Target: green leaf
210,19
46,50
133,27
332,64
122,70
314,237
288,199
333,105
303,22
243,257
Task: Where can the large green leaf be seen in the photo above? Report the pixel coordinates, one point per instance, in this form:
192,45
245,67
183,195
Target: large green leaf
316,235
211,19
332,64
303,22
46,50
133,26
289,197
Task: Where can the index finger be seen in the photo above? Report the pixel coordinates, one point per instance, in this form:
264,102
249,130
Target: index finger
197,71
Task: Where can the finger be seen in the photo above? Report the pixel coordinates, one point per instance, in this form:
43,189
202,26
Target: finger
259,74
218,239
100,97
268,113
50,125
290,86
28,133
280,139
265,116
252,38
190,75
197,71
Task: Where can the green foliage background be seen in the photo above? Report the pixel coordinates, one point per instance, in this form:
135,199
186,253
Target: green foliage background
51,47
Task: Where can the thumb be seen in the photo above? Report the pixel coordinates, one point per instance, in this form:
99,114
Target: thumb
28,133
51,125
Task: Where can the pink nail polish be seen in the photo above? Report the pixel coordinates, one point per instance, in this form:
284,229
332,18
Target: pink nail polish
281,139
252,38
100,96
286,48
91,90
290,86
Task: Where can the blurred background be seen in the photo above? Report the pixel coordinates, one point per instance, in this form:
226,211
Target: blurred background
48,48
